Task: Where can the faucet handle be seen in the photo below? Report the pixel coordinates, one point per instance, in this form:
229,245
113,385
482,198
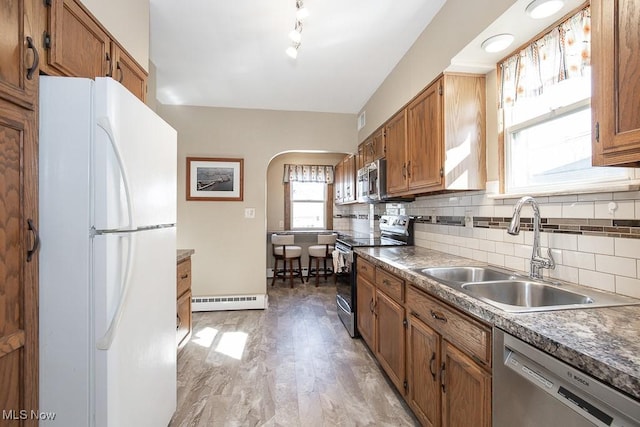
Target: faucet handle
551,264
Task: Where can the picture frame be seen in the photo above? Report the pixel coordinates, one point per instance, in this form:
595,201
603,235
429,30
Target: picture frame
215,179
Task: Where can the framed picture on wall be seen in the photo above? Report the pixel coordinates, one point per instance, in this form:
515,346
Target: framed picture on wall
214,179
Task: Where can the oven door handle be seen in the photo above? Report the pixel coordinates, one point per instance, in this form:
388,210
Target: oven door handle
342,304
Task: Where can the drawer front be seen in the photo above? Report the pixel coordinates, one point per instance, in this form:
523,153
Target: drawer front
457,328
183,319
366,269
184,276
390,285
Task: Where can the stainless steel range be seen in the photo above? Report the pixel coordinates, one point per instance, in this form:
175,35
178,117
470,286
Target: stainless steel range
395,230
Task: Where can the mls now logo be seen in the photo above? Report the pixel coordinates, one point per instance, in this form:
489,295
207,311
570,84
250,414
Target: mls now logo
23,414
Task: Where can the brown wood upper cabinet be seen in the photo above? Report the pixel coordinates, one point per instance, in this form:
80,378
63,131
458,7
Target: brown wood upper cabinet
344,180
372,148
444,140
19,213
127,71
75,44
615,81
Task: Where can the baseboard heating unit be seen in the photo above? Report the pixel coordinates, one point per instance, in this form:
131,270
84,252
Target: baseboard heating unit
231,302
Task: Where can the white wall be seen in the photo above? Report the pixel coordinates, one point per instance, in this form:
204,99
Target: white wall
455,25
230,256
128,22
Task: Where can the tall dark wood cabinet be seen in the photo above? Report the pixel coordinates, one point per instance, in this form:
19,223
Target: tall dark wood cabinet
18,212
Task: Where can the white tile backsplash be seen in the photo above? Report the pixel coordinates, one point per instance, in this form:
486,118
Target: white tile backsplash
616,265
609,263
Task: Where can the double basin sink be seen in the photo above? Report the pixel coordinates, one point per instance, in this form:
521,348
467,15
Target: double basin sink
513,292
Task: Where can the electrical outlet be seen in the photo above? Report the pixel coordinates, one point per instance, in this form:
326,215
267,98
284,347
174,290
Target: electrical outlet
249,212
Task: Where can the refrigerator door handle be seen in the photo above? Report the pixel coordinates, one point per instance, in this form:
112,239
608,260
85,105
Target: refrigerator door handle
105,342
104,124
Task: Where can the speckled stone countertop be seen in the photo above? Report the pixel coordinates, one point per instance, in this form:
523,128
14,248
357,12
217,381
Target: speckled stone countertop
603,342
184,254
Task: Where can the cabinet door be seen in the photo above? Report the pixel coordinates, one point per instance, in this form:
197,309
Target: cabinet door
423,365
615,82
338,183
349,180
466,390
127,71
425,139
365,296
18,271
78,46
378,145
18,67
395,136
183,319
390,350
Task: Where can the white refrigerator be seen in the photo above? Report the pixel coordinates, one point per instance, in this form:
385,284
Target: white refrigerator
108,257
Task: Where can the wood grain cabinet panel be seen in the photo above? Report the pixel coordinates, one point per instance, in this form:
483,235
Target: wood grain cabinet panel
616,82
78,45
18,211
443,144
183,305
390,345
423,364
127,71
365,315
396,145
466,390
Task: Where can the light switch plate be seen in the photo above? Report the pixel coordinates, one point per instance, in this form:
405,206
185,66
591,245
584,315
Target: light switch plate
249,212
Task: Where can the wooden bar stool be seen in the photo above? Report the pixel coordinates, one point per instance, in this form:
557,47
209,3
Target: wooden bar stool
284,249
322,251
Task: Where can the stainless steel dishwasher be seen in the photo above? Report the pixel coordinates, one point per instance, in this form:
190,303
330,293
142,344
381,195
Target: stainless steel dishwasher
532,388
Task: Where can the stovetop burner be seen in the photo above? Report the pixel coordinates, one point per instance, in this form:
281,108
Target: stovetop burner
396,230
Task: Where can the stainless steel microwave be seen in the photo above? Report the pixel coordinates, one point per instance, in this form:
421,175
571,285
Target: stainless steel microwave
372,182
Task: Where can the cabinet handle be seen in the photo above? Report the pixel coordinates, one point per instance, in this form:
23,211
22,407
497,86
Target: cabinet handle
431,367
121,73
386,282
404,171
179,322
409,169
36,58
443,378
438,316
36,240
371,305
184,276
413,313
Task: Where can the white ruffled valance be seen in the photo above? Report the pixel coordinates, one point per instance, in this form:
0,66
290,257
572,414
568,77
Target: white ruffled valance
308,173
562,53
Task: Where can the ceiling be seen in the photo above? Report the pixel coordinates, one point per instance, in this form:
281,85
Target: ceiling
232,53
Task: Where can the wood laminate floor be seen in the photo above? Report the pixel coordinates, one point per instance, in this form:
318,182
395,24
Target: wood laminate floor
293,364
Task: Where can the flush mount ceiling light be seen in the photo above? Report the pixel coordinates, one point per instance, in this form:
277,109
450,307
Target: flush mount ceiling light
539,9
296,34
497,43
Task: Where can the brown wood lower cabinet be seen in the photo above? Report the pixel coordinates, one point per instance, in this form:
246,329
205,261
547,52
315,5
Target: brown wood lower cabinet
183,316
447,386
381,319
438,357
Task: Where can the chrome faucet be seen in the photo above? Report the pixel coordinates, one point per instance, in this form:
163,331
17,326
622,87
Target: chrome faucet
537,260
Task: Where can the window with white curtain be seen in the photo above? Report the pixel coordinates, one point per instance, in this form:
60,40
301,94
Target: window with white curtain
308,205
545,92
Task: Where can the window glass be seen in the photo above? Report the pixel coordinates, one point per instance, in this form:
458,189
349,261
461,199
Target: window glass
308,205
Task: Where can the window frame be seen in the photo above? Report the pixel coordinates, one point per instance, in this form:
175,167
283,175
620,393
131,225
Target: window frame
328,207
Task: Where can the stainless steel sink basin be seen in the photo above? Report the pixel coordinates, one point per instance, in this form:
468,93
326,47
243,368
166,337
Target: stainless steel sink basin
466,274
513,292
524,293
